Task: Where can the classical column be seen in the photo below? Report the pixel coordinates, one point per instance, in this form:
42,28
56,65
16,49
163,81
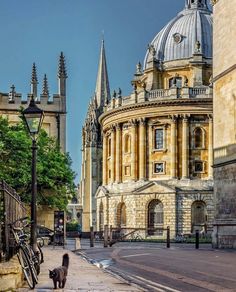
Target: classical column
118,153
113,145
142,149
133,150
173,134
210,147
104,159
185,148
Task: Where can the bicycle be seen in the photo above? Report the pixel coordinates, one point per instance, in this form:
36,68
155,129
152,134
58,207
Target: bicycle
26,256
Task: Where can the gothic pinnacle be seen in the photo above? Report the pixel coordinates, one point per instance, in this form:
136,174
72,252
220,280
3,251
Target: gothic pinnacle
34,78
45,86
62,67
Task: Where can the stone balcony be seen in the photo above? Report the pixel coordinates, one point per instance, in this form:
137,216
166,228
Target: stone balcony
161,94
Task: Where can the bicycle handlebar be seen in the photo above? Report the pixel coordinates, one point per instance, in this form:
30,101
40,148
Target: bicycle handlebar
19,220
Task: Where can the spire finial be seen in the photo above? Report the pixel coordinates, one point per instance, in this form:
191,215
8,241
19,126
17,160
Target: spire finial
102,91
45,90
12,93
201,4
34,81
34,78
62,67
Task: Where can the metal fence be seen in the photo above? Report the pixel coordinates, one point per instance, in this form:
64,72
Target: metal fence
11,209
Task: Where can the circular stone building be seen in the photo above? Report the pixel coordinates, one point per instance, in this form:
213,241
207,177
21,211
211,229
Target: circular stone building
157,143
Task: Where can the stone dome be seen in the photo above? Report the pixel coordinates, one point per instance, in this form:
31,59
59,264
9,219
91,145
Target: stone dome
188,33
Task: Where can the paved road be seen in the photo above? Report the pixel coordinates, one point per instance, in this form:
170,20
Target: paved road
180,268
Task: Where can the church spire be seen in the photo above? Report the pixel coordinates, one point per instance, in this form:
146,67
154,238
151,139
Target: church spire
45,86
102,92
34,81
62,75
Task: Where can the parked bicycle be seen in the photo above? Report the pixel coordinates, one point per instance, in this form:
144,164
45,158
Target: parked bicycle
28,259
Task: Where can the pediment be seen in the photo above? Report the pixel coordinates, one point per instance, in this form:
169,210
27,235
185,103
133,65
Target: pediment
101,192
155,187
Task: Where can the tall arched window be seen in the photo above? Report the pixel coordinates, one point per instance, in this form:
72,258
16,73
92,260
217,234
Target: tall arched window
127,143
101,217
198,138
199,216
121,215
155,217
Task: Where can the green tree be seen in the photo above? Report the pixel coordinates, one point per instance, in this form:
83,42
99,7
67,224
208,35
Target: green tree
55,177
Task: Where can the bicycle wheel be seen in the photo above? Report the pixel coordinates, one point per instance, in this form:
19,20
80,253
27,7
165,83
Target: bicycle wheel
33,260
26,267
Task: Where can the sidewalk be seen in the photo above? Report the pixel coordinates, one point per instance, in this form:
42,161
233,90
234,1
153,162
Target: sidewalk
82,276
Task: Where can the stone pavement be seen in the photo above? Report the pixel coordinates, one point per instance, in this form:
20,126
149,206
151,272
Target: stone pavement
82,276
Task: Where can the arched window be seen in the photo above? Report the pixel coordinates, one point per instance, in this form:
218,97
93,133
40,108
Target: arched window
175,82
155,217
198,138
121,215
101,217
199,216
127,144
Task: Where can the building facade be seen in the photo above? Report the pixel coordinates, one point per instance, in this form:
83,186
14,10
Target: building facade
224,73
54,108
157,143
91,168
54,122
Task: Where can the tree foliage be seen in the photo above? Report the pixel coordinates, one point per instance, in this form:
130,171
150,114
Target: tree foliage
54,174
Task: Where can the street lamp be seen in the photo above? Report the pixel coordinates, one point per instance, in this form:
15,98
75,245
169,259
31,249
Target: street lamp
33,117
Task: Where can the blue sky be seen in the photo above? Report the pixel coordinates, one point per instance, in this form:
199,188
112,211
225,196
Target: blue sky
37,31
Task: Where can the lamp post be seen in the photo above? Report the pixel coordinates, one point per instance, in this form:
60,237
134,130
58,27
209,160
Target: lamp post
33,117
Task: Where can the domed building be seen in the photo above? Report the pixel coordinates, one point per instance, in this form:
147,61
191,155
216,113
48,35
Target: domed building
156,144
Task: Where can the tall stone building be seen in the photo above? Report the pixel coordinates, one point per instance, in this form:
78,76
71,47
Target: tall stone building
91,169
157,142
54,108
54,122
224,74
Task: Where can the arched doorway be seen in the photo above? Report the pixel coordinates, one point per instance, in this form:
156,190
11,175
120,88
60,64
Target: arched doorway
101,217
121,215
155,217
199,216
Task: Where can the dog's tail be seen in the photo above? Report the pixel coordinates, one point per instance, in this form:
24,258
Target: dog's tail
65,260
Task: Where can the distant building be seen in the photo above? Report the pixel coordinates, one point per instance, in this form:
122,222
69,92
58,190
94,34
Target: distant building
224,76
54,108
155,146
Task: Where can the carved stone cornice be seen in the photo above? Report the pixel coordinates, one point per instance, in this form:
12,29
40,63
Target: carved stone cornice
150,104
173,118
142,121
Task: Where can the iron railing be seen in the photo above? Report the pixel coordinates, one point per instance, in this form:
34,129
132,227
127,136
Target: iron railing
11,209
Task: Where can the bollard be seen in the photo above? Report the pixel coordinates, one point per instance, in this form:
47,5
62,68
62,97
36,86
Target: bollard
91,237
168,237
110,235
197,240
105,235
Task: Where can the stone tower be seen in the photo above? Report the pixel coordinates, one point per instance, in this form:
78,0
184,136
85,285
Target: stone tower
224,77
91,171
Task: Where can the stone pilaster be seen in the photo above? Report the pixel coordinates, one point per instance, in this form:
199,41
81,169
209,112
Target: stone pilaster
142,149
133,150
113,145
210,148
104,168
118,153
185,148
173,147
